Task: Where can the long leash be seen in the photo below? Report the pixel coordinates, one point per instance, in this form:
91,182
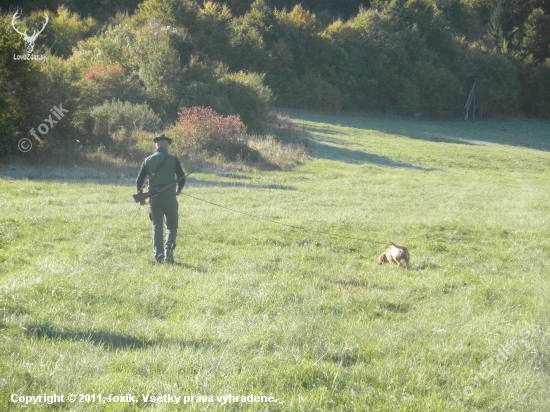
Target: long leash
284,224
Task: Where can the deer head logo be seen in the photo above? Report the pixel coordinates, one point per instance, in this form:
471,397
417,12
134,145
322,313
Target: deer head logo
29,40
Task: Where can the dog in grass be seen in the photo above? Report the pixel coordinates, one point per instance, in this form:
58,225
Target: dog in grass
395,253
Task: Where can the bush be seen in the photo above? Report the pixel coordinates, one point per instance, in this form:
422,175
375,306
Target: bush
103,81
313,92
230,94
201,129
121,118
246,95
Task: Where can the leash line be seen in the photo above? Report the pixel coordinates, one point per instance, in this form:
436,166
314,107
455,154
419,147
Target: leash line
283,224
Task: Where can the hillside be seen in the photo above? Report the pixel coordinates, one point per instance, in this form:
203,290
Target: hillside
410,58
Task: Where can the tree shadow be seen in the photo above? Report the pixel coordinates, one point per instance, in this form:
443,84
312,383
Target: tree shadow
341,154
109,340
527,133
123,176
127,177
419,135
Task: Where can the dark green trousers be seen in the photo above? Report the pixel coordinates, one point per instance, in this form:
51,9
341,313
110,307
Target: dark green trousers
158,208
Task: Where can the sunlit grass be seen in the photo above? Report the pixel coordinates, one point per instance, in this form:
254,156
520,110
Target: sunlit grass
255,307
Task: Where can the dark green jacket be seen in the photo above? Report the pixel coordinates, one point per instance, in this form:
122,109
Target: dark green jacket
167,173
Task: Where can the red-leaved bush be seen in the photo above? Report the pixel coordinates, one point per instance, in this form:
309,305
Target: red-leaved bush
202,129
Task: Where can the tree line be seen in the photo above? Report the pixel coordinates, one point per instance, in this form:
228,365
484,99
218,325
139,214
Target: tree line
124,64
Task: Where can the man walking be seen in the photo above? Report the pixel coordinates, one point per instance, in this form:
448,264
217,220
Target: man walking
161,169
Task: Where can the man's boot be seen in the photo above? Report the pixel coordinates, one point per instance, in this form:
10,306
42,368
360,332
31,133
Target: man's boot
159,258
169,256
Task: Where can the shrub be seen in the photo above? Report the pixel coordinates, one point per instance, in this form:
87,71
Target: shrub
114,116
313,92
246,95
230,94
201,129
103,81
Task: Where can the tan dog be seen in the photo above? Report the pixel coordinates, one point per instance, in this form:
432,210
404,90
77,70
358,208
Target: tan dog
395,253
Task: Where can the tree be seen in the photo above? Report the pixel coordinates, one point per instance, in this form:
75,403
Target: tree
536,42
20,83
65,30
495,33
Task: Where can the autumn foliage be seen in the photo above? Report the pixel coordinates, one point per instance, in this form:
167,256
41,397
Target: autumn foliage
201,129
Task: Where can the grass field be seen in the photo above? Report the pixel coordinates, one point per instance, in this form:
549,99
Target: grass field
252,307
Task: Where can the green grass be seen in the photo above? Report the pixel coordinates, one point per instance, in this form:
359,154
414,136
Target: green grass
257,308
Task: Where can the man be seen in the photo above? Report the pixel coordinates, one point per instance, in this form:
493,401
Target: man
161,169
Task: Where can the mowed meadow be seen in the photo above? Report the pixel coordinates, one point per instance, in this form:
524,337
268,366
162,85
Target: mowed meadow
254,307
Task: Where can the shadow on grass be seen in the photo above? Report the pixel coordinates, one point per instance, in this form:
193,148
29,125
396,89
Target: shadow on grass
527,133
360,283
330,152
420,135
126,177
394,308
123,175
109,340
178,265
425,265
213,183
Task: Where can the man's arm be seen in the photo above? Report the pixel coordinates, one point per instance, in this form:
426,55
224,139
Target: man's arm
179,173
141,177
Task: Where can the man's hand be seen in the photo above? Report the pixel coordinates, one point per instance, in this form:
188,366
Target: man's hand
142,202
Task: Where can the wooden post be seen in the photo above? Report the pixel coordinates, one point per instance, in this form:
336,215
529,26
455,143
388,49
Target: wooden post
474,112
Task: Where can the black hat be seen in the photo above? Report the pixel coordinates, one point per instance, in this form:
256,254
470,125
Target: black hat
162,137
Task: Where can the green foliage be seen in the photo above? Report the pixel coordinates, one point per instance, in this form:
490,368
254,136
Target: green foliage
65,30
160,68
501,85
213,31
248,39
20,81
312,92
103,81
227,93
440,91
406,57
537,90
60,86
495,32
173,12
116,118
112,46
245,95
536,42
